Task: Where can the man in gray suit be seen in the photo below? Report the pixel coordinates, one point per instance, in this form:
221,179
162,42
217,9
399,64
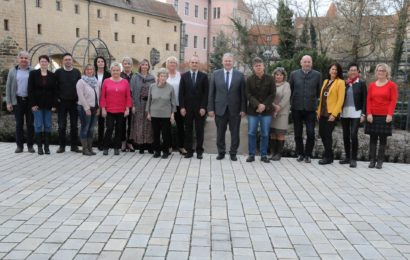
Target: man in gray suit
227,103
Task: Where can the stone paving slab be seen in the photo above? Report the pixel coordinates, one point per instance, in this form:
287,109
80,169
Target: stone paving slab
132,206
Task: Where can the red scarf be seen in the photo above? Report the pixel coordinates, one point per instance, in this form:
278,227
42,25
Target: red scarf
351,81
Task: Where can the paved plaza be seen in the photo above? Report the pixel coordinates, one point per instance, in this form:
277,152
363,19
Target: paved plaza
132,206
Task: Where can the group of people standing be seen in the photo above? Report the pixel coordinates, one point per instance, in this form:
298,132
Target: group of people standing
139,108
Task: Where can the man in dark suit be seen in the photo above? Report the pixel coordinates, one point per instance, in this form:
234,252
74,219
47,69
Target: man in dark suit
227,102
193,100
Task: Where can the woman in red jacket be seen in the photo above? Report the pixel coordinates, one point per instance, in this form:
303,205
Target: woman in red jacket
115,102
381,102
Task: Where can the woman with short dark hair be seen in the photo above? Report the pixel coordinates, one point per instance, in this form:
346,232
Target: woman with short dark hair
332,96
43,100
353,113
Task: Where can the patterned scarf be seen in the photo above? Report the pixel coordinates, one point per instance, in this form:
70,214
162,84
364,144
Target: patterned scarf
351,81
91,81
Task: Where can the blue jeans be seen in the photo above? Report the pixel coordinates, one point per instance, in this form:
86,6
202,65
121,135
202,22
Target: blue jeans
87,122
42,120
253,123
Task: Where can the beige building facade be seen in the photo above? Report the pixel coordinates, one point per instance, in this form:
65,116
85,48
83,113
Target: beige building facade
131,28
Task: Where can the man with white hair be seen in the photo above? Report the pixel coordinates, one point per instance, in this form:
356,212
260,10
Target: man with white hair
17,101
227,103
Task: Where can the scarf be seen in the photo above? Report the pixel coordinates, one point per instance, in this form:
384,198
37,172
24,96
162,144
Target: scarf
91,81
351,81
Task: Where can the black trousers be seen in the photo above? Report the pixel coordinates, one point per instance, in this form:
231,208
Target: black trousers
234,122
179,121
350,128
101,130
114,121
161,127
309,118
325,131
68,107
193,117
23,111
126,131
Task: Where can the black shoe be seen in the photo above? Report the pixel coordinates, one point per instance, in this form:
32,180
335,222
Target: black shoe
251,158
105,152
220,156
18,150
60,149
116,152
325,161
353,164
142,151
123,150
372,164
46,150
300,158
344,161
40,150
165,155
379,165
157,154
233,157
100,148
130,147
74,148
188,155
150,151
30,149
199,156
265,159
307,159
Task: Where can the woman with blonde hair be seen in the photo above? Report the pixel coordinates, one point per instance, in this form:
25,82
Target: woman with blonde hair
161,106
141,129
381,103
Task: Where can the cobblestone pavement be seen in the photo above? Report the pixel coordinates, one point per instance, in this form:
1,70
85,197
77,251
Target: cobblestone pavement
68,206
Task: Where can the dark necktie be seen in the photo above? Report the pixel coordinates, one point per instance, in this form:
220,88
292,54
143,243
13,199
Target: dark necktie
193,79
227,80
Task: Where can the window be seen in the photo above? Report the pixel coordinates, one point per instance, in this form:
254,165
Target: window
175,47
205,13
175,28
167,47
38,28
58,5
148,41
6,24
217,12
186,12
133,38
186,40
269,38
195,41
196,10
116,36
76,9
99,13
115,17
213,41
133,20
77,32
98,34
205,43
148,23
176,4
38,3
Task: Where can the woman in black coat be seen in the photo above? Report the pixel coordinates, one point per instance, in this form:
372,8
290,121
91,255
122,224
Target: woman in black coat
42,99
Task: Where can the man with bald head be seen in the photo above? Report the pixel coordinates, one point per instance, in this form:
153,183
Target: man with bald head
305,84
